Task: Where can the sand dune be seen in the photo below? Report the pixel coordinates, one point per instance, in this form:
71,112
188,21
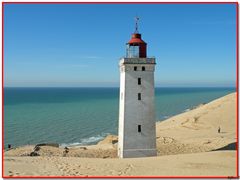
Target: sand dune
197,130
188,144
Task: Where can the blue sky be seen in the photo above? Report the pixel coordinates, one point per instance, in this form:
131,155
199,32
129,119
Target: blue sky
77,45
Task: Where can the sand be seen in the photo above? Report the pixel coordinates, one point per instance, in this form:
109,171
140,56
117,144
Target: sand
188,144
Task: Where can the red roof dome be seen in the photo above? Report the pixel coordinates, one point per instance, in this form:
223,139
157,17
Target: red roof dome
136,39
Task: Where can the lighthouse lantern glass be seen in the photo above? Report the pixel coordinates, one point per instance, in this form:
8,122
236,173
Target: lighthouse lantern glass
132,51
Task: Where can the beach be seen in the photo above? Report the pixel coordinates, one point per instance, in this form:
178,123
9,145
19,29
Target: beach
198,142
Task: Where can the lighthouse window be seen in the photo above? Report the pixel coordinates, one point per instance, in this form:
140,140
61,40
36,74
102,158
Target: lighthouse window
143,68
139,81
132,51
139,128
139,96
135,68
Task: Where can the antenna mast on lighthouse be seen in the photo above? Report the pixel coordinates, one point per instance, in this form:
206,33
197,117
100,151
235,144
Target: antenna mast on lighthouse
136,24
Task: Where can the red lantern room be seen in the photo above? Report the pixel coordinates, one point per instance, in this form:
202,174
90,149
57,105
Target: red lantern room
136,47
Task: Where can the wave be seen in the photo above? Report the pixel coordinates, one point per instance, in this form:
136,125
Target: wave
165,117
86,141
186,110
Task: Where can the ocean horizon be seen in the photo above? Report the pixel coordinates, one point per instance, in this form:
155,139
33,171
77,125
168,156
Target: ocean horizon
73,116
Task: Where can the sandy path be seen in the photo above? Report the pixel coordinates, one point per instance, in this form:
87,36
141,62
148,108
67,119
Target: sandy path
198,164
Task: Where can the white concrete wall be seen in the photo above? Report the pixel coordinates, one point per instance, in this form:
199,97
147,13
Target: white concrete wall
121,111
134,112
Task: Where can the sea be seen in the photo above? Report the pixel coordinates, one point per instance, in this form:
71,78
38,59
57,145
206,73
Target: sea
83,116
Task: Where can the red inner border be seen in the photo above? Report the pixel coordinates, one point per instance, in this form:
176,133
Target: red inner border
237,88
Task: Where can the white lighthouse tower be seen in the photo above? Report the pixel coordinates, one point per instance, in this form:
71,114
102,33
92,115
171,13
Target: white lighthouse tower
137,124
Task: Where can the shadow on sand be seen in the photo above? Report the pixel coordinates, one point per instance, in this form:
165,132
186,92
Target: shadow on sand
231,146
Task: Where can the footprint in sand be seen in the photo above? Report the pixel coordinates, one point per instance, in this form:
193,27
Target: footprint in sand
195,119
127,169
10,173
207,142
166,140
112,172
185,122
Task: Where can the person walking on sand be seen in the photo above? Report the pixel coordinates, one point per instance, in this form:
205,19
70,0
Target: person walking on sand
219,129
66,150
9,146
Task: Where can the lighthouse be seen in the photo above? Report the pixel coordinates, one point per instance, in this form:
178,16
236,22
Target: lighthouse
137,123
